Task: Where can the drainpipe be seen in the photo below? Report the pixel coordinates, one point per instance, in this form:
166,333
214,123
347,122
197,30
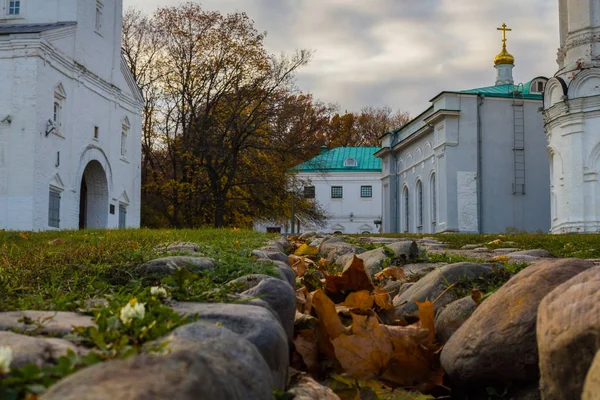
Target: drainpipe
480,100
394,187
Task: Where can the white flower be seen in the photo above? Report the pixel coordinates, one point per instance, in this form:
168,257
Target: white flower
132,310
158,292
6,357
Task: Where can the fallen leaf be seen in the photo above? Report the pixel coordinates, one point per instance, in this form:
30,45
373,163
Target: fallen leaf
327,314
396,273
306,250
361,299
383,299
477,296
427,318
353,278
502,258
55,242
323,263
24,235
299,267
366,352
306,345
497,241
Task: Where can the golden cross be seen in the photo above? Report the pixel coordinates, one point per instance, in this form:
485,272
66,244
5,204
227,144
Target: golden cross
504,29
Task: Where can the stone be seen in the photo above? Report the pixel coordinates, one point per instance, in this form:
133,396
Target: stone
393,287
285,271
168,265
227,368
505,250
281,297
306,388
187,247
332,242
340,254
521,257
528,392
253,323
56,323
283,243
452,317
433,284
421,269
271,255
373,260
470,246
497,344
568,335
32,350
308,235
481,250
405,251
534,253
591,387
246,282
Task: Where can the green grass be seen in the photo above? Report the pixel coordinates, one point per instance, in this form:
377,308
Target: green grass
36,274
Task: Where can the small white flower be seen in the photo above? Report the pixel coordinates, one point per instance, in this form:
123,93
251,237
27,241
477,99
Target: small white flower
6,357
133,310
158,292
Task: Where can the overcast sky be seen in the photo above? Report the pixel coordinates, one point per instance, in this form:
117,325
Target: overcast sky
399,53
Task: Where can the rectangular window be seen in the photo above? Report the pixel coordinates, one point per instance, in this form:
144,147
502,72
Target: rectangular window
309,192
337,192
96,132
14,7
124,142
366,191
54,209
122,216
98,17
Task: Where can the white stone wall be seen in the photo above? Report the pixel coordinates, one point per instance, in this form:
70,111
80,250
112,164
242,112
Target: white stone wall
364,210
89,68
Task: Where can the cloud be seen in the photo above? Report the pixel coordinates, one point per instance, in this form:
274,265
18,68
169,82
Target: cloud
399,53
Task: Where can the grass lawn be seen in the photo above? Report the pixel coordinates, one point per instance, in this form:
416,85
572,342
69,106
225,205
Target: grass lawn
57,270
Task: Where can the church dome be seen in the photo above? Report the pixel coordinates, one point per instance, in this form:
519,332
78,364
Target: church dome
504,58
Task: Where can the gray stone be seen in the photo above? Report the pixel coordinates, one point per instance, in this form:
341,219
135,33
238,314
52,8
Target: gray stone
281,297
58,323
591,387
217,369
271,255
284,244
470,246
505,250
568,335
521,257
168,265
340,253
308,235
436,282
306,388
316,242
405,251
481,250
374,260
174,247
452,317
393,287
331,242
286,273
259,326
534,253
404,287
33,350
421,269
497,344
244,283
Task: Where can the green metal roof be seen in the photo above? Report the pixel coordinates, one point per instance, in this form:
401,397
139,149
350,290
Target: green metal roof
333,160
506,91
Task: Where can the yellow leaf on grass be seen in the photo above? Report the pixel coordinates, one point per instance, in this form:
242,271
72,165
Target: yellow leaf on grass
55,242
497,241
361,299
502,258
306,250
366,352
396,273
24,235
382,299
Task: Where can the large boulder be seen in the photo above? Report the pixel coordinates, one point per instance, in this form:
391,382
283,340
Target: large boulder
281,297
452,317
591,388
534,253
227,368
405,250
374,260
497,344
178,247
253,323
56,323
168,265
568,335
246,282
286,273
421,269
33,350
271,255
435,283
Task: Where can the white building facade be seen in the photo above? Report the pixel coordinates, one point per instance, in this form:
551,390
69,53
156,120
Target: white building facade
346,182
70,117
473,162
572,120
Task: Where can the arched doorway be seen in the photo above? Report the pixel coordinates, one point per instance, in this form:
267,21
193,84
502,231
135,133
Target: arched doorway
93,197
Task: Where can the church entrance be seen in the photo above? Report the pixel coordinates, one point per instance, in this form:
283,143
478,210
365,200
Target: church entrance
93,197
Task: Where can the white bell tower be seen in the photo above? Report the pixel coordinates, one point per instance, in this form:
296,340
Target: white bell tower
572,120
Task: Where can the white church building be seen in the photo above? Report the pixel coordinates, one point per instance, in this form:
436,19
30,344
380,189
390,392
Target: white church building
475,161
572,119
70,117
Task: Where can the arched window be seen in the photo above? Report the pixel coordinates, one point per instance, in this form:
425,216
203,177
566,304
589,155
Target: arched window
350,162
60,97
419,204
433,200
406,209
537,86
124,133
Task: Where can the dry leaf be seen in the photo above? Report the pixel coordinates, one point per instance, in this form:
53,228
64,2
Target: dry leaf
427,318
327,314
382,299
477,296
367,351
306,250
353,278
323,264
24,235
55,242
361,299
306,346
396,273
299,267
